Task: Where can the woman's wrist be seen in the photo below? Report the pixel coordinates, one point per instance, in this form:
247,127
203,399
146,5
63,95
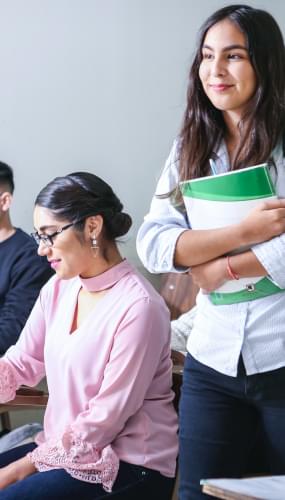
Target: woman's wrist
231,273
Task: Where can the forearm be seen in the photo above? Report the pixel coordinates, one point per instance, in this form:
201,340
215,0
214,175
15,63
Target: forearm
246,265
16,471
196,247
211,275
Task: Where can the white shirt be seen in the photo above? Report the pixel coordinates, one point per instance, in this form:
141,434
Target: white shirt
220,333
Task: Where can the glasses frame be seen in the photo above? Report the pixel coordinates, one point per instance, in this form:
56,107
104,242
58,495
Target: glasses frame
47,239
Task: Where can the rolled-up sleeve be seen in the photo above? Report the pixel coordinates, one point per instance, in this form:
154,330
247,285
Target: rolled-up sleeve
162,226
271,254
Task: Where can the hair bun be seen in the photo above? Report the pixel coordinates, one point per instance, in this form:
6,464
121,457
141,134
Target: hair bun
118,225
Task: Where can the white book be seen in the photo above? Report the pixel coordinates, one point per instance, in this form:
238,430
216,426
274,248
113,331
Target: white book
263,488
225,199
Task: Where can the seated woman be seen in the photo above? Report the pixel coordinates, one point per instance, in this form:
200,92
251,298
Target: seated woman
101,335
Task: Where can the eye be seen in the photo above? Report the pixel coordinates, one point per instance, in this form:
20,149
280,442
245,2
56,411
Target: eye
207,55
43,237
235,56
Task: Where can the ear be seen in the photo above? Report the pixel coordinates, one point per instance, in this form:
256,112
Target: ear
6,201
94,226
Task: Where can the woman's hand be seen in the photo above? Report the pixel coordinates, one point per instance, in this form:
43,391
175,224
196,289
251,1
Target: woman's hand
264,222
16,471
210,275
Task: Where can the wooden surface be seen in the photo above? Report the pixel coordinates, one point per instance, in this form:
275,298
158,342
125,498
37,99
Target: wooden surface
26,398
216,492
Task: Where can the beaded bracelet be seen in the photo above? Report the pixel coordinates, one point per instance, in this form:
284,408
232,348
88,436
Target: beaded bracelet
231,273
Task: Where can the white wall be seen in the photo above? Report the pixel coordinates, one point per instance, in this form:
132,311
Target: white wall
96,85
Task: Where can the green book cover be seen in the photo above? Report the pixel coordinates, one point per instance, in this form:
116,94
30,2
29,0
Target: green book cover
225,199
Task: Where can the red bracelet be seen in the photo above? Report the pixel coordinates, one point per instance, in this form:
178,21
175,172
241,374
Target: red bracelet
231,273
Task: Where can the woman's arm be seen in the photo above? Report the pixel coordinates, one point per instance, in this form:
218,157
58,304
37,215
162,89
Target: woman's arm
23,363
211,275
166,243
266,221
16,471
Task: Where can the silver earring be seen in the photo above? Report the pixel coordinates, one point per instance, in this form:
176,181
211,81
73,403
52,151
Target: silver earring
94,244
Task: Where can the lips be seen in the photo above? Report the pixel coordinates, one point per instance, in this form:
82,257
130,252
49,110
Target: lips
54,263
219,87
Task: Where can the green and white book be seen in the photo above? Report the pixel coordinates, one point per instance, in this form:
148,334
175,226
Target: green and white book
225,199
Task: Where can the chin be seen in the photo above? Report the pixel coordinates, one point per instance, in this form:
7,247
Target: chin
65,275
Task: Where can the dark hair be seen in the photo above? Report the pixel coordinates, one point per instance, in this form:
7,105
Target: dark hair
203,126
6,177
80,195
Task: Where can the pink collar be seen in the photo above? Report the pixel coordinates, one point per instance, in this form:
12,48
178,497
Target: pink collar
107,279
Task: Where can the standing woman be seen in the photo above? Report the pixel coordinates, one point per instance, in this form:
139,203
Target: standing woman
234,375
101,335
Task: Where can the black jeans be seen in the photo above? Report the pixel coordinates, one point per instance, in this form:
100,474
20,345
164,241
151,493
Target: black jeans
221,418
133,483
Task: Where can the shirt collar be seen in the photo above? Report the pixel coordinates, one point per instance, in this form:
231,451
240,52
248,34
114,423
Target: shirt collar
107,279
221,157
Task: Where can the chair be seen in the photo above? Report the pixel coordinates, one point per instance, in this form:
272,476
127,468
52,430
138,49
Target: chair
179,292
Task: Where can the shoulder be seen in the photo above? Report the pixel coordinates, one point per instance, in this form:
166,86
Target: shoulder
24,254
22,236
22,243
169,177
137,291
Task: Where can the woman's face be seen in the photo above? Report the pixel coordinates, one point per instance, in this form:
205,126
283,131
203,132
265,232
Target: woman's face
68,256
226,72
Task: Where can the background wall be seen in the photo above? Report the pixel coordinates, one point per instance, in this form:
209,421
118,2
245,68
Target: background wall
96,85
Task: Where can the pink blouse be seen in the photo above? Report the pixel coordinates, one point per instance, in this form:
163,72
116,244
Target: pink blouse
109,382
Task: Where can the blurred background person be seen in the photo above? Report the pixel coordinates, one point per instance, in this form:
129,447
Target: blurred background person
22,271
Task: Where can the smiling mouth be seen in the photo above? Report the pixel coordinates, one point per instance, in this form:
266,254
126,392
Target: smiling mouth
220,87
54,262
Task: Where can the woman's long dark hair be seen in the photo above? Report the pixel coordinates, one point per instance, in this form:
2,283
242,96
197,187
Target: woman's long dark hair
263,125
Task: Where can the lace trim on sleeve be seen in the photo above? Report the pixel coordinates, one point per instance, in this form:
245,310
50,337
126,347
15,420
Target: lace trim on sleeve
80,459
8,382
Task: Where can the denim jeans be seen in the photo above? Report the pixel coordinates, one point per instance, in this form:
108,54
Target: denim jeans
221,418
133,483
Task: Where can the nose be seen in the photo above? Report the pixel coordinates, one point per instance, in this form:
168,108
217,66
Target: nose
218,67
43,250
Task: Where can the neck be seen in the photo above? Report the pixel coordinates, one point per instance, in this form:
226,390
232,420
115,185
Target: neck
102,263
232,137
6,228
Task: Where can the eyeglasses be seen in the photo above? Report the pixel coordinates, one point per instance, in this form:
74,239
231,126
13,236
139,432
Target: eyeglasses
47,239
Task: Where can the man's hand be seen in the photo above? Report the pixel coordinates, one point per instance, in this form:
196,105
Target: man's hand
15,472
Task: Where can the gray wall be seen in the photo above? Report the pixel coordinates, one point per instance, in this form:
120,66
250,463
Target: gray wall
96,85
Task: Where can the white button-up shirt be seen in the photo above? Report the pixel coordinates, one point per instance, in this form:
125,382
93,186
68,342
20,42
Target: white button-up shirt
220,333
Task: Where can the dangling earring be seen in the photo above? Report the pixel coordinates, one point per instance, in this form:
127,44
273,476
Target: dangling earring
94,245
94,242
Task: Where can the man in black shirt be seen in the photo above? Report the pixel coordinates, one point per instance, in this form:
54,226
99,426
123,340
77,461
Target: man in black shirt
22,271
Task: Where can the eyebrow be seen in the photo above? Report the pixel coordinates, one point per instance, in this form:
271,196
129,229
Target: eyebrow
226,49
43,228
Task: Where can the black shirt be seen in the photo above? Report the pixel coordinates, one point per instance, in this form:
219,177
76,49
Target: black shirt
22,274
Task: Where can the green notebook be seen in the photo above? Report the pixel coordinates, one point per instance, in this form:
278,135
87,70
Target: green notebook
225,199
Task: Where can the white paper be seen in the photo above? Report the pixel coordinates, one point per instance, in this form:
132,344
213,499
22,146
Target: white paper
265,488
